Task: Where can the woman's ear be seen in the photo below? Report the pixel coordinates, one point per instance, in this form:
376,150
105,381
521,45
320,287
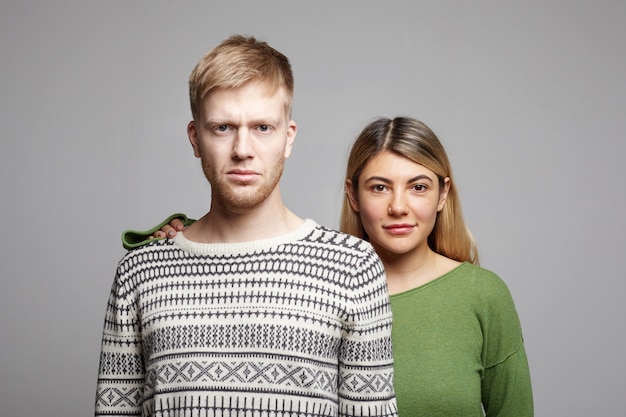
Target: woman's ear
443,194
352,195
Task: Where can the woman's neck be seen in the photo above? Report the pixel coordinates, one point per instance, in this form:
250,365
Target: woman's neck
412,270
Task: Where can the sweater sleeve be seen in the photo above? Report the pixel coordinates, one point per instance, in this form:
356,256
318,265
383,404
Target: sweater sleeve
506,387
365,356
121,372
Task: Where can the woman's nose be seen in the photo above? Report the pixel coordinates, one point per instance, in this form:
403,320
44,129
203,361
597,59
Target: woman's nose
397,207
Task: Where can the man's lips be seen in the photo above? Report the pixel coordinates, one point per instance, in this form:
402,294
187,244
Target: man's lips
242,175
399,228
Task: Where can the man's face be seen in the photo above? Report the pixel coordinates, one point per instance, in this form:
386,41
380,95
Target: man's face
243,136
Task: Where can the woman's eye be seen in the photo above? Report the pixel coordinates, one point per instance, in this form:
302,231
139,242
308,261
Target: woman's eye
379,188
419,187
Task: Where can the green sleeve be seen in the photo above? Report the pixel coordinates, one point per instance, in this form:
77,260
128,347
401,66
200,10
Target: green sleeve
506,387
134,238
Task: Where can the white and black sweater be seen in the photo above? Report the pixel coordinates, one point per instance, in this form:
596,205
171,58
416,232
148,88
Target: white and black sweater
298,325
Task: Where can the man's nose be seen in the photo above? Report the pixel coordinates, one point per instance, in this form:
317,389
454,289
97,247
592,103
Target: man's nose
242,146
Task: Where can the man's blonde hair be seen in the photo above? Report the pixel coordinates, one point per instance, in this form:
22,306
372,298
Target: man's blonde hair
236,61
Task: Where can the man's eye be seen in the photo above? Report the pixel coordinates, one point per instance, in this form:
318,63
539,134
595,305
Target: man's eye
264,128
221,128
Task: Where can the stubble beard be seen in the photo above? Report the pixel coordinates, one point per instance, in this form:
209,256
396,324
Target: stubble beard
242,197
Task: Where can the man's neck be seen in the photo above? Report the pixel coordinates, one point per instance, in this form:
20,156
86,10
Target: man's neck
224,225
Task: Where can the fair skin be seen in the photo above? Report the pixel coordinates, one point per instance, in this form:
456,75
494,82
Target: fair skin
243,136
398,201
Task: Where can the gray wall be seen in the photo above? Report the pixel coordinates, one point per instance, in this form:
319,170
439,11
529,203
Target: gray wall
528,97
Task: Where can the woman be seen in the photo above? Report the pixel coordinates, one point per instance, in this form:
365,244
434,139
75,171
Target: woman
457,339
458,347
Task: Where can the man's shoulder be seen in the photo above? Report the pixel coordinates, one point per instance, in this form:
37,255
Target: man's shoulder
324,235
148,252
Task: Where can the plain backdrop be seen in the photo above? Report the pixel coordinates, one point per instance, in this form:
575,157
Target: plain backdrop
528,97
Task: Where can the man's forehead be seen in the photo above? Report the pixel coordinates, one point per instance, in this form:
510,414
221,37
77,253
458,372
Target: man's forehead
253,100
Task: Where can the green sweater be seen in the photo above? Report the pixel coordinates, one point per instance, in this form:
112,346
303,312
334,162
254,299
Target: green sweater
458,347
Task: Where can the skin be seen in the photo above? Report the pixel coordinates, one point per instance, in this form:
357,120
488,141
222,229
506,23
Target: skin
398,201
243,136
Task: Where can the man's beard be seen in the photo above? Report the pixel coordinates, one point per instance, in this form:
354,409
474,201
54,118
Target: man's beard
243,197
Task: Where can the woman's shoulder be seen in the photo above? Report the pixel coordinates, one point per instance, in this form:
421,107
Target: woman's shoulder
484,281
479,273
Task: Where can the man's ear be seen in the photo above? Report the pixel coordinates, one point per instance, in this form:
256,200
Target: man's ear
192,133
352,195
292,130
443,194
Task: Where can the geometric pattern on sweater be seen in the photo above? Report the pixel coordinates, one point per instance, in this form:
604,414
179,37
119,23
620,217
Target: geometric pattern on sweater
196,329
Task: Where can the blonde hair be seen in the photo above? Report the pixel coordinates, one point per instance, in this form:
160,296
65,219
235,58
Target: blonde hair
414,140
236,61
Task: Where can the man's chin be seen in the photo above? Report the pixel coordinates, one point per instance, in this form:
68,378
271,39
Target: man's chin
244,201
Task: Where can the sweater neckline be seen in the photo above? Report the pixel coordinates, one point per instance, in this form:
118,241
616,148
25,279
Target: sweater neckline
440,278
198,248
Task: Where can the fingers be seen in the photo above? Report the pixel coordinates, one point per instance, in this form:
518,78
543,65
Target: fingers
158,234
168,230
172,228
177,224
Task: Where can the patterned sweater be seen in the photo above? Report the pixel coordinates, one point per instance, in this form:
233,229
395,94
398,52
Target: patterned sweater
298,325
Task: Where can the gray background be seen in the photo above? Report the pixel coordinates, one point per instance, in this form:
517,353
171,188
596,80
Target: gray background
527,96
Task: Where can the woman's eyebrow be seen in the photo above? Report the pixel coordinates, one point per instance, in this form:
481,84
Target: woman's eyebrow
378,178
388,181
420,177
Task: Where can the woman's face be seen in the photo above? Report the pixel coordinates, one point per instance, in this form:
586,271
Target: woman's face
398,201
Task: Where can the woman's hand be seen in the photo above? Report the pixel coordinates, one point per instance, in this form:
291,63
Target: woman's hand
170,229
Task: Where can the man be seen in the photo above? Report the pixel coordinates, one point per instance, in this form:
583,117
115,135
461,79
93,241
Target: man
252,310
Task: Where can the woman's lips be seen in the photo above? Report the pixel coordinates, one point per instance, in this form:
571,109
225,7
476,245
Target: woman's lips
399,229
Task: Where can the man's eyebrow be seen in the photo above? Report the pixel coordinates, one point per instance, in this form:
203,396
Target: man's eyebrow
255,121
265,121
215,121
